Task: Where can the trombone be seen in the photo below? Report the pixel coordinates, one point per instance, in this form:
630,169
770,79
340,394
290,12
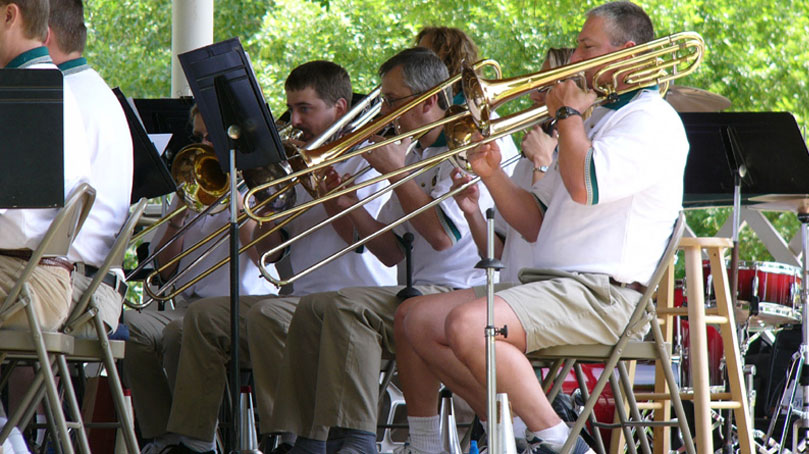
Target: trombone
645,65
359,114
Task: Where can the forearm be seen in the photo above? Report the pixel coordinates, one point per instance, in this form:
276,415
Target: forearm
269,237
517,206
427,223
385,246
173,249
573,147
479,229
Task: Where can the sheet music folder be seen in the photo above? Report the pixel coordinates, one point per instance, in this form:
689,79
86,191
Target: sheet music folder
32,145
768,144
227,62
151,177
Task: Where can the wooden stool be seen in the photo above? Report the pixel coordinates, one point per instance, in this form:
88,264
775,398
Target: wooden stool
698,318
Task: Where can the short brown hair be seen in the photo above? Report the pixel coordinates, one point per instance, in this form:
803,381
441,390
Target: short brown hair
34,17
67,22
329,80
452,45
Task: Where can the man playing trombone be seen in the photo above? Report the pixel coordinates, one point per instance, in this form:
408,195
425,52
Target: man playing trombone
337,339
618,190
318,95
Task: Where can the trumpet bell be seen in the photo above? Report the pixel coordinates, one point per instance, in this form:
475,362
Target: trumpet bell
199,177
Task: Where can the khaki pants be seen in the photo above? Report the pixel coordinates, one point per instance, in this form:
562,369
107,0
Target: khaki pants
50,293
329,376
107,300
204,357
150,366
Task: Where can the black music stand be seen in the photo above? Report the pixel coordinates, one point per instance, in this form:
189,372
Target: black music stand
243,132
151,177
32,150
768,144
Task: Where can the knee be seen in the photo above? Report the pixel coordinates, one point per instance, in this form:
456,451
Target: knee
464,329
173,334
201,318
400,318
262,319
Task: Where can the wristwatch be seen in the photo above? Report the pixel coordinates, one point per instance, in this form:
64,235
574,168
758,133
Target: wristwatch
566,111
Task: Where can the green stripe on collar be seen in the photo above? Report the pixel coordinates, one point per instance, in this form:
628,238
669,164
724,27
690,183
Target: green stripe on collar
30,57
459,99
624,99
74,66
441,141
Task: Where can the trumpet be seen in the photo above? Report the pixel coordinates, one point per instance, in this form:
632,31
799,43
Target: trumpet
655,62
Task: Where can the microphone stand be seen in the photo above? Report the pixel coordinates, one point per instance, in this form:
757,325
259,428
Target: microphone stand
409,291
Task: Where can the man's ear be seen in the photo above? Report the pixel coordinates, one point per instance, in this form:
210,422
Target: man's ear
10,13
629,44
49,37
429,103
342,107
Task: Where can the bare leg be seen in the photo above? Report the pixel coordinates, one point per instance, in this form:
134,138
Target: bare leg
429,313
515,375
424,329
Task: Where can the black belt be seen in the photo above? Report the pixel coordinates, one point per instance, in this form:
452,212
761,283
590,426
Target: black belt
636,286
25,254
110,278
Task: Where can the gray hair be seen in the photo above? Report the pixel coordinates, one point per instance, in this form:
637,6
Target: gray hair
625,22
421,69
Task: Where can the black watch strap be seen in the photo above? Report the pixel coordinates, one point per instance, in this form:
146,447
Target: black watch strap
565,112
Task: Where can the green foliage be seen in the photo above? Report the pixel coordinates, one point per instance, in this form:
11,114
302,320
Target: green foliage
757,53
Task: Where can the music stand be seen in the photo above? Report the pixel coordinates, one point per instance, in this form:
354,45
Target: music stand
243,132
732,154
32,157
151,178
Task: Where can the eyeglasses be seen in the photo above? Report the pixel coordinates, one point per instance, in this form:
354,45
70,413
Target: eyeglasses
391,101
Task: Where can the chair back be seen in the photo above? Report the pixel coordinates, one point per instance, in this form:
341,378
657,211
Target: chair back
115,258
56,242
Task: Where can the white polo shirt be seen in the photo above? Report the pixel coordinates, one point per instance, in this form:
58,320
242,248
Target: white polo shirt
634,176
360,268
24,228
454,267
110,145
251,281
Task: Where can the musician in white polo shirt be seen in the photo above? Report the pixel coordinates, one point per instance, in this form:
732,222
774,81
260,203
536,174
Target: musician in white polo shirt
110,145
23,31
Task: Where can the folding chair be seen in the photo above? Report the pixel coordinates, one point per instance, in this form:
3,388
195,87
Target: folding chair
45,347
102,349
626,349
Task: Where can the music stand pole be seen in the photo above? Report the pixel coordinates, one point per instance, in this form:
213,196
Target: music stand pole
491,264
234,133
802,424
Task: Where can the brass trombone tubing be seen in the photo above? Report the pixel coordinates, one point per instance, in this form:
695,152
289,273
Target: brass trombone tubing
176,259
416,132
157,295
484,96
349,141
157,224
403,219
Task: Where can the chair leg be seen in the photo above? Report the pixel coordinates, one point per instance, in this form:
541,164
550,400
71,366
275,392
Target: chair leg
560,379
633,406
116,389
45,361
674,388
52,431
586,395
73,405
622,416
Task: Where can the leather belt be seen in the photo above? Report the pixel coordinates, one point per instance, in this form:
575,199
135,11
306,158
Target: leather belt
111,279
25,254
636,286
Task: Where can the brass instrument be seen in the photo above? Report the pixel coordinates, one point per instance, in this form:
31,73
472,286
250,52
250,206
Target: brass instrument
275,193
648,64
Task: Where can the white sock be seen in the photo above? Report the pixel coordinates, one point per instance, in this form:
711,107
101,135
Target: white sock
519,428
196,444
15,443
166,439
555,434
287,437
424,433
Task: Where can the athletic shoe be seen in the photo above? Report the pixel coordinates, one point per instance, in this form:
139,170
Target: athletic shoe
538,446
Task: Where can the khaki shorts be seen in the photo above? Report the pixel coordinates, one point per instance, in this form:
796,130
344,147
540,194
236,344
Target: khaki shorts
560,308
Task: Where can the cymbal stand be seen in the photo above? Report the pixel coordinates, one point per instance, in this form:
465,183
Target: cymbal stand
800,360
491,264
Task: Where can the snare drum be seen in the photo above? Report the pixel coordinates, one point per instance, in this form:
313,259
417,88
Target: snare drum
776,288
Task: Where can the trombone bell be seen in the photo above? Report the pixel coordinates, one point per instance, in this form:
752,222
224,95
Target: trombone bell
199,177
